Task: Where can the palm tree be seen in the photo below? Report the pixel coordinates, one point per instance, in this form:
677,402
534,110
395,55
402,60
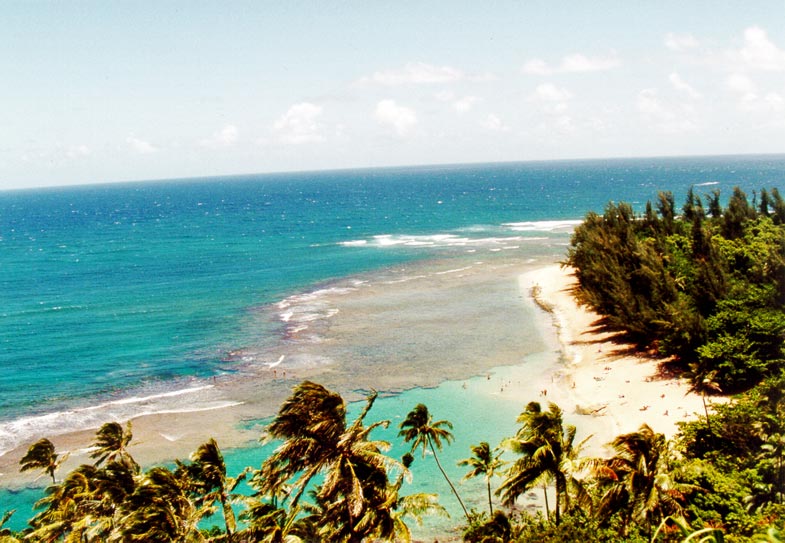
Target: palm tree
704,382
208,472
6,535
67,507
547,455
159,510
317,440
111,442
266,523
391,516
310,423
414,506
637,480
483,462
423,432
41,455
112,485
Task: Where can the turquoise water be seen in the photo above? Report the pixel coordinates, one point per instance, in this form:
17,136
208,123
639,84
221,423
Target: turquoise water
117,300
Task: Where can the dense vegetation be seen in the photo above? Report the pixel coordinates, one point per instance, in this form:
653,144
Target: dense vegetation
706,288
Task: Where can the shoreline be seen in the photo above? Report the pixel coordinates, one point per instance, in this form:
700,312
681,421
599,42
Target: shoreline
599,384
389,333
607,387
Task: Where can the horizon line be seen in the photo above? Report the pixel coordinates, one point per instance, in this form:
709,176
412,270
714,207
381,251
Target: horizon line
396,167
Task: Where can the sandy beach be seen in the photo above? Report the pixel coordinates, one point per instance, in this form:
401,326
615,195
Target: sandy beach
609,387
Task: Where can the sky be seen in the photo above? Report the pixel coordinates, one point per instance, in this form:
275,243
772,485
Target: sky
104,91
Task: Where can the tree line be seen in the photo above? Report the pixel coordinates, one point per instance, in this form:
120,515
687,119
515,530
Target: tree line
706,286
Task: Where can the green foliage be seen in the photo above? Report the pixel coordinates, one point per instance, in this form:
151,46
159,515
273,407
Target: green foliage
42,456
707,290
620,274
420,428
110,445
547,454
685,533
574,527
485,462
719,497
481,529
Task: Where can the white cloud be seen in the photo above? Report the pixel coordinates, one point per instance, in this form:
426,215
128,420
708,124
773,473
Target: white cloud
775,101
494,124
462,105
459,104
553,102
537,66
749,97
140,146
753,52
758,52
741,84
575,63
649,104
564,123
680,85
414,73
680,42
399,118
299,125
77,151
548,92
668,119
226,137
581,63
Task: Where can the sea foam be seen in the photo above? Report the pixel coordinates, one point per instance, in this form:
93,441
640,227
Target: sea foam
16,432
542,226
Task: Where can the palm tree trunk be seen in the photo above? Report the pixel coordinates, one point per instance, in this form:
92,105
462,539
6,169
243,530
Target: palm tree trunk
439,464
490,503
229,519
547,509
706,410
780,480
561,496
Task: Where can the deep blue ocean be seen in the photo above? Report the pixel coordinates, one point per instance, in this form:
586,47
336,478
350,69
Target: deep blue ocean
118,291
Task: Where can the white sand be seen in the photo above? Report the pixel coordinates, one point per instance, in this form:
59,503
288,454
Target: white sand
610,388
